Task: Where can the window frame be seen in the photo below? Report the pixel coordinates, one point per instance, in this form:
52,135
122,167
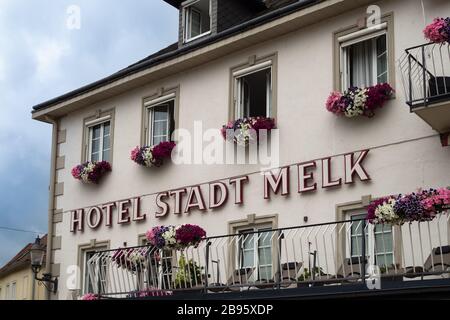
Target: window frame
355,32
186,18
344,212
253,222
344,61
83,249
101,140
163,95
254,65
99,117
150,137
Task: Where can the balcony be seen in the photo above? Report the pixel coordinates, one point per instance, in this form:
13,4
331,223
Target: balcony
425,71
325,260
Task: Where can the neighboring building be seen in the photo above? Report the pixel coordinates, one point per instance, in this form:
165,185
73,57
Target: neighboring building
17,279
279,59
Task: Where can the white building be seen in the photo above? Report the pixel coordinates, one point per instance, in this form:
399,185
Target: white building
278,59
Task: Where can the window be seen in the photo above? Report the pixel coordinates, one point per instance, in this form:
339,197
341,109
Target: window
197,19
365,57
100,142
13,291
364,63
379,241
26,287
255,251
160,120
98,132
97,271
253,90
8,292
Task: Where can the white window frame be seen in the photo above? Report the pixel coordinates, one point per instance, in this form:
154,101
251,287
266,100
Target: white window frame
254,232
187,7
13,288
370,238
90,127
238,87
356,37
149,137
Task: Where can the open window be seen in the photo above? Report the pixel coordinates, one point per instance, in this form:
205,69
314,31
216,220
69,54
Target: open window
253,91
160,120
197,19
364,57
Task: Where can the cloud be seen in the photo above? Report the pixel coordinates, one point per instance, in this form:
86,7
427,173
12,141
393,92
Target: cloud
48,55
40,58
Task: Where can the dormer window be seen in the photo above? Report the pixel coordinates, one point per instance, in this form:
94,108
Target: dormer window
197,19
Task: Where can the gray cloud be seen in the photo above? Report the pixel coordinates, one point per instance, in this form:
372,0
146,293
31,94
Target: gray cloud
41,58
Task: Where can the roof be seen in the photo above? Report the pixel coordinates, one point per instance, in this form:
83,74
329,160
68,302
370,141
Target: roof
275,9
21,260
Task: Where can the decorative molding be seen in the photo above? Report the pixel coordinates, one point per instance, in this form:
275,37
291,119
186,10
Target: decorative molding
56,269
62,135
59,189
57,243
60,163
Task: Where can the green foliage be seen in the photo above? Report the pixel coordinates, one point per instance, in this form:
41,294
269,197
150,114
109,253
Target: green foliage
308,275
189,274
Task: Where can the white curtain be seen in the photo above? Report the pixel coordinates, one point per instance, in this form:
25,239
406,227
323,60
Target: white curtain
361,64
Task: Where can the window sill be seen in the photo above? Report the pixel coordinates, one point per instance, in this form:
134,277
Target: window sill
197,37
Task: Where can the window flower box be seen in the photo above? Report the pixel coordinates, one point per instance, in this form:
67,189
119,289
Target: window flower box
91,172
247,130
438,31
153,156
176,238
423,205
359,101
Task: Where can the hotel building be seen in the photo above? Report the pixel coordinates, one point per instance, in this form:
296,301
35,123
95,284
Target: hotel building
298,232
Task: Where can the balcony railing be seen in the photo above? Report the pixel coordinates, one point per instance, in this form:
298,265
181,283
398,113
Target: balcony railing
425,71
329,254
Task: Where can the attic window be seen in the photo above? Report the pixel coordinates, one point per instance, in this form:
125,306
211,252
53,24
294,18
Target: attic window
197,19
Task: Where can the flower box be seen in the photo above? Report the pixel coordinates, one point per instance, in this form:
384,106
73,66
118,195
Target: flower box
153,156
176,238
438,31
359,101
247,130
91,172
423,205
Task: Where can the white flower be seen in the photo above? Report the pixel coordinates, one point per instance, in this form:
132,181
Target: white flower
385,213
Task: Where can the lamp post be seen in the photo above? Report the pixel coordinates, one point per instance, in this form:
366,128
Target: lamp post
37,258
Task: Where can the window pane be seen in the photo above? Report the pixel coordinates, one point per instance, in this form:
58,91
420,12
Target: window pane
265,272
381,59
160,113
106,129
96,132
106,155
95,146
386,260
95,157
195,23
160,128
265,256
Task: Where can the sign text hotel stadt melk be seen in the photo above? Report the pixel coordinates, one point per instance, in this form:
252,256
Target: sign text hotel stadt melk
185,200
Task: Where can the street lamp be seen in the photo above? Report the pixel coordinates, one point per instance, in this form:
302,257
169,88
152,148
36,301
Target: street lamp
37,258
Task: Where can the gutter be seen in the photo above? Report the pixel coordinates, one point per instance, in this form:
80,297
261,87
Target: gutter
278,13
51,198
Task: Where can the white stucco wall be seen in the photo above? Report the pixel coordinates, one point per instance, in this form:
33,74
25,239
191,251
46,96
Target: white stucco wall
404,153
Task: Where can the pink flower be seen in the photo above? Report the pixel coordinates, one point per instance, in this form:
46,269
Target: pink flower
135,153
435,31
333,102
90,297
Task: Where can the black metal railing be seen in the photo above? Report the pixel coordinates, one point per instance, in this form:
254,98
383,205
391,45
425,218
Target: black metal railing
335,253
425,72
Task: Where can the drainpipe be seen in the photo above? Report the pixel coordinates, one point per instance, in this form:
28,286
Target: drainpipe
51,198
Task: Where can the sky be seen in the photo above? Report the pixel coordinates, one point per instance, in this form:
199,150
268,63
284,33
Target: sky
44,54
